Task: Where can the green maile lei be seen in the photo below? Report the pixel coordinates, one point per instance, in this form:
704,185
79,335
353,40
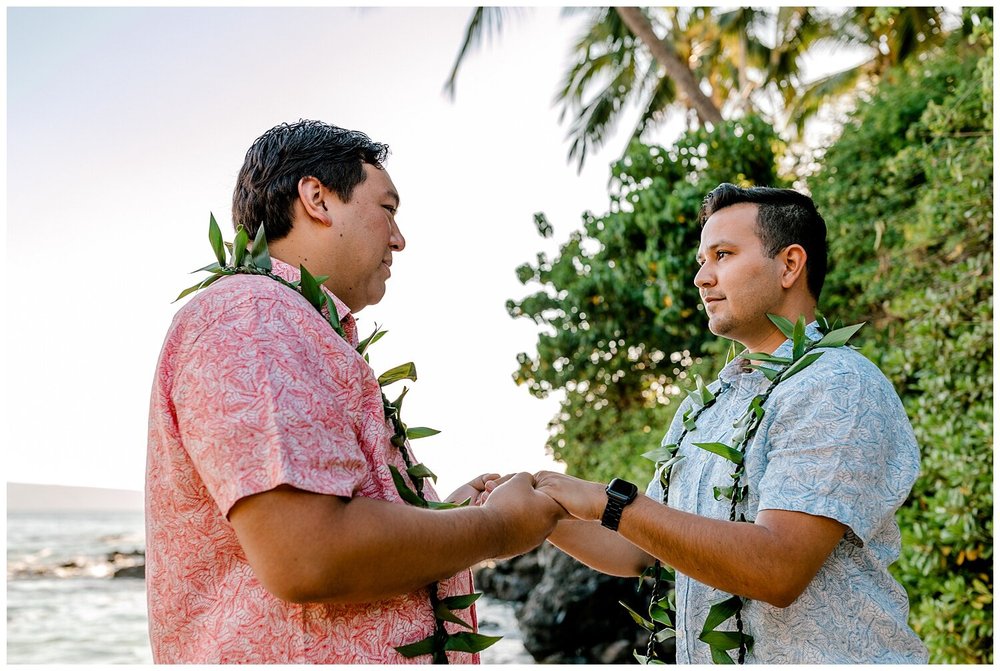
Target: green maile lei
658,623
246,259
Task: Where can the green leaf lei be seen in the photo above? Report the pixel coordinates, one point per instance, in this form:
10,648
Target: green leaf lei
257,261
659,624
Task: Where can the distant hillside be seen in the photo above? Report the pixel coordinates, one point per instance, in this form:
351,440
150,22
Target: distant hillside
27,497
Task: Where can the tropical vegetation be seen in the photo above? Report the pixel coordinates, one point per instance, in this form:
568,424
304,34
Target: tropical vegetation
907,191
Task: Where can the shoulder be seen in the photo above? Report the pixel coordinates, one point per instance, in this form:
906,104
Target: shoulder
235,297
839,366
241,308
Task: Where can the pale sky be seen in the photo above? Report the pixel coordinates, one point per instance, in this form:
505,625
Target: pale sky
127,126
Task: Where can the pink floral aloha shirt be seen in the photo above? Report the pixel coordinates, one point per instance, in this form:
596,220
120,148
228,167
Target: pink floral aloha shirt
253,390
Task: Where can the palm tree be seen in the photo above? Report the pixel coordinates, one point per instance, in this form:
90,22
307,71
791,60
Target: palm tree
749,60
890,35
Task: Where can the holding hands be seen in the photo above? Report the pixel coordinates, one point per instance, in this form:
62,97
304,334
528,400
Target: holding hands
582,499
578,498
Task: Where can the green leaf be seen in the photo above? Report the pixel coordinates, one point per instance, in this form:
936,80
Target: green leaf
661,453
706,395
723,451
721,493
769,373
424,647
240,246
731,352
442,612
201,285
211,268
462,601
668,464
639,619
260,257
467,641
406,371
309,287
332,315
665,634
370,340
215,238
658,613
404,490
690,423
799,338
416,432
784,325
761,356
398,403
800,364
720,612
721,656
725,640
421,471
445,505
839,337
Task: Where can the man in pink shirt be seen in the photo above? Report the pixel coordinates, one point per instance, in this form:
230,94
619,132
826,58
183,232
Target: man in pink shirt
275,533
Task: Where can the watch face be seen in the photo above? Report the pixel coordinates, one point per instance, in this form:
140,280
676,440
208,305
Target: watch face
622,489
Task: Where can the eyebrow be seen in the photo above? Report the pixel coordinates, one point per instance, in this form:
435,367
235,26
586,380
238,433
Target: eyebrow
392,194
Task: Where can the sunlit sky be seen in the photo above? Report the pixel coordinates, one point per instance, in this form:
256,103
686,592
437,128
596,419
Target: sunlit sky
127,126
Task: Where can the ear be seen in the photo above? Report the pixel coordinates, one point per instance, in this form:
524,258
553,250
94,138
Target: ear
312,197
793,259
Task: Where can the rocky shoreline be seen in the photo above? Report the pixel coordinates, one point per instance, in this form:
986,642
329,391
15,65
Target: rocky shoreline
567,612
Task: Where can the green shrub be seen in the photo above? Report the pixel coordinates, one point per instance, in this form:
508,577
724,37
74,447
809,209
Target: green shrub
908,194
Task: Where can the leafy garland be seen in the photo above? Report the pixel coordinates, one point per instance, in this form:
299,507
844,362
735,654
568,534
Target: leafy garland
257,261
659,624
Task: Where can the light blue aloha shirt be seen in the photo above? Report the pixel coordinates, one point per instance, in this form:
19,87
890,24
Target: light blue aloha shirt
835,442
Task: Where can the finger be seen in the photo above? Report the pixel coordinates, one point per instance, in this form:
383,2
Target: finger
499,480
484,478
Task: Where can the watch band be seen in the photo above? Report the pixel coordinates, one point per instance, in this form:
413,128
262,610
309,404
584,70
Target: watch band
612,516
620,494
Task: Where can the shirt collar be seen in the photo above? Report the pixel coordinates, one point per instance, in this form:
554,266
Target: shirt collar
290,273
741,365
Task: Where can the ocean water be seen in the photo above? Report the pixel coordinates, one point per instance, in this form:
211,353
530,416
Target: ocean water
65,607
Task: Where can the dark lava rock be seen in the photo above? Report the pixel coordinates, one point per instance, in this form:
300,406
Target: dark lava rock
131,572
569,613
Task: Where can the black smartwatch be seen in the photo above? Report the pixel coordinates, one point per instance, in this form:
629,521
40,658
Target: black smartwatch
620,494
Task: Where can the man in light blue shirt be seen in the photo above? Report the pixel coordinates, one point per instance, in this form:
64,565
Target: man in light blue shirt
807,538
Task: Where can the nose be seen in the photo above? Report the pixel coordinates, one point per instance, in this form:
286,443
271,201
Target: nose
396,240
704,277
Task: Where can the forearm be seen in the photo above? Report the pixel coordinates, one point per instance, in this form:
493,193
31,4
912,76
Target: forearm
398,548
600,548
749,559
361,549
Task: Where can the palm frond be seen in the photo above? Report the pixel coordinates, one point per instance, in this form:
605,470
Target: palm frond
814,95
484,24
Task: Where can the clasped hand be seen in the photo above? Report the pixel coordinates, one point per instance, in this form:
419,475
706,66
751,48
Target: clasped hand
575,497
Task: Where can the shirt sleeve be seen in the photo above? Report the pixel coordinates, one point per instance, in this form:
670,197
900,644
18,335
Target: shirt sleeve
265,397
842,449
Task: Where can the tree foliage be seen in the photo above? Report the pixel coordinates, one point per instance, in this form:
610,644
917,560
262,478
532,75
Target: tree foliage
908,191
623,322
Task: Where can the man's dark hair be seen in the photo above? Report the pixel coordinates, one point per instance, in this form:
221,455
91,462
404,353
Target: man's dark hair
784,217
268,181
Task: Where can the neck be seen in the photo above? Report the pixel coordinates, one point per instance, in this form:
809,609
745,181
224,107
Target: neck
770,337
